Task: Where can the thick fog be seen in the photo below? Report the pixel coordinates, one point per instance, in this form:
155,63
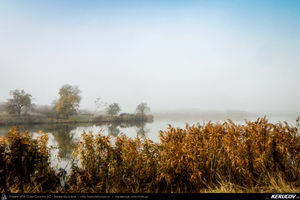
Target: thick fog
210,55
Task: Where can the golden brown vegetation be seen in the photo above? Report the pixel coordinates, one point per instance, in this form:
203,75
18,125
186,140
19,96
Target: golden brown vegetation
250,155
24,163
255,157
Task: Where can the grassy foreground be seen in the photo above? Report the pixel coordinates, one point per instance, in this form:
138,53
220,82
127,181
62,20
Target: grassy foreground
256,157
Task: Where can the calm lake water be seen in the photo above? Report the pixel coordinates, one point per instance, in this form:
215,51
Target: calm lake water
63,137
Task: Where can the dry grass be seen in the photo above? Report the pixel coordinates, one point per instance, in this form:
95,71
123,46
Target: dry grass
256,157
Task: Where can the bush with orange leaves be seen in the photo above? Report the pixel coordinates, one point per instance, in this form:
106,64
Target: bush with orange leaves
24,163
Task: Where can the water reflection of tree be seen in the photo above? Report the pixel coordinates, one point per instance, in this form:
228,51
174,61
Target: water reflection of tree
142,131
62,134
113,130
65,139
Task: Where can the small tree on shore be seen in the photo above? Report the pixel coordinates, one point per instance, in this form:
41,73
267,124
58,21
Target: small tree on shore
100,104
142,108
68,102
113,109
19,103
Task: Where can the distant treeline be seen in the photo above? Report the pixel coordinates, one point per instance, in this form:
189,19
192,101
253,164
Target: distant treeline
124,117
19,109
35,119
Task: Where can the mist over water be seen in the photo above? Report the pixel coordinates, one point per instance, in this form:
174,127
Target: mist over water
176,56
139,72
191,61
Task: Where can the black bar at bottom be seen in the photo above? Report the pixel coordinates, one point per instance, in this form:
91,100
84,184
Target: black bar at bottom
145,196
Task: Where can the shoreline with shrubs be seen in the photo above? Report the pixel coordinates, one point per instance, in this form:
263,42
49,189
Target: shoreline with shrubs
37,119
214,157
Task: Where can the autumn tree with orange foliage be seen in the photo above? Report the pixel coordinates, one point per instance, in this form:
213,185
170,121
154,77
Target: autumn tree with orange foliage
68,102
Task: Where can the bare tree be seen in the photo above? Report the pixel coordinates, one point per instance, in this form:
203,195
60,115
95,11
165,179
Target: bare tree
99,103
19,103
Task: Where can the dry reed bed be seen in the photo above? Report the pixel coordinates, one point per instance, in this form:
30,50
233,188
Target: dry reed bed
256,157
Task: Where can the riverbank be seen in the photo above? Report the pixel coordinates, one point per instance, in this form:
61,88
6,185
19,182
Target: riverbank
6,120
256,157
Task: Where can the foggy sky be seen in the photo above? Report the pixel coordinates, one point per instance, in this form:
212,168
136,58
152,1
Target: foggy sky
219,55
